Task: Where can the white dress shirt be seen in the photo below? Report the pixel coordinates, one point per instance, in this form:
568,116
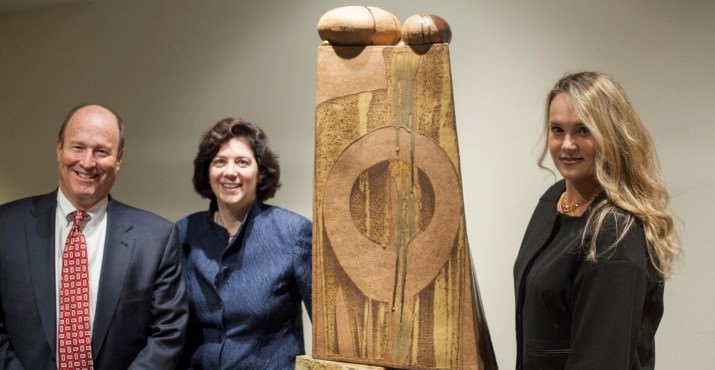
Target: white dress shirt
94,232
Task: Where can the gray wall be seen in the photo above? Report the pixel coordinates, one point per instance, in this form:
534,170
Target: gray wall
172,68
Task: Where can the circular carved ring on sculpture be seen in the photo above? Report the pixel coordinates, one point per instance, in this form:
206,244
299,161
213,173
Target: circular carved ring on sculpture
425,29
370,266
359,26
392,193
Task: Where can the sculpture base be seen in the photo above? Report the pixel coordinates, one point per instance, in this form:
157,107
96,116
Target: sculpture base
307,362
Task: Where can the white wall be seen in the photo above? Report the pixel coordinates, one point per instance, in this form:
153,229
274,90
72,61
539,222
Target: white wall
172,68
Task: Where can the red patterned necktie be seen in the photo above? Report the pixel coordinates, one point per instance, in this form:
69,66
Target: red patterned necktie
74,338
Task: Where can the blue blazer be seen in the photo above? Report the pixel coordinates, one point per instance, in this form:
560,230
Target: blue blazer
141,311
245,297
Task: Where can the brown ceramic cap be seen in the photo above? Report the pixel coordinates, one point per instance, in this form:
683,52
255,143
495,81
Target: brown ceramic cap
423,29
359,26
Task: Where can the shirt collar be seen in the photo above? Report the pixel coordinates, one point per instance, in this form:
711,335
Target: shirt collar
65,207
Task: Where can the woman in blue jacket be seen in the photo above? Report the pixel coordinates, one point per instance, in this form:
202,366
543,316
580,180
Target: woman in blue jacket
247,264
589,275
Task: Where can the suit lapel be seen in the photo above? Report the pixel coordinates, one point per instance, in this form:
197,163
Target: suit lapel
118,248
40,234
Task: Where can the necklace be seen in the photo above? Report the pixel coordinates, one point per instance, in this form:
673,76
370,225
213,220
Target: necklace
565,207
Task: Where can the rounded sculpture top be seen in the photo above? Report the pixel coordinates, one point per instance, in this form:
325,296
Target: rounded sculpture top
423,29
359,25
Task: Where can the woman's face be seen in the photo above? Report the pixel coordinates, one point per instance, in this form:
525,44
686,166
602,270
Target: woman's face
233,174
572,147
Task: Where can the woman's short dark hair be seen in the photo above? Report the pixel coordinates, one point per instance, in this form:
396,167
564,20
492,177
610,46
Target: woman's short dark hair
269,171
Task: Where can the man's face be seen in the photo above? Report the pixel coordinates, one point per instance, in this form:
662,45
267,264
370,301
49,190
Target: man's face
88,157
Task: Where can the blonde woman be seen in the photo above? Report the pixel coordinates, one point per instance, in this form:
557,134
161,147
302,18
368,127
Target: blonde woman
589,275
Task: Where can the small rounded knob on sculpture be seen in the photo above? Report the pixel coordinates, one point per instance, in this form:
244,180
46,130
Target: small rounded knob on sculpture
422,29
359,25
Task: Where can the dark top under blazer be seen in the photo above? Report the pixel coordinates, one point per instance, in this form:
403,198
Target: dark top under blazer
584,315
245,297
141,310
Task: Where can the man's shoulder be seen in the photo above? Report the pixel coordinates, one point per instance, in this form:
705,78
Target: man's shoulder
21,203
116,208
28,203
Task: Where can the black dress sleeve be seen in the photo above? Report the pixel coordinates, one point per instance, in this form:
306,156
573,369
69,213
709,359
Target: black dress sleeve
609,300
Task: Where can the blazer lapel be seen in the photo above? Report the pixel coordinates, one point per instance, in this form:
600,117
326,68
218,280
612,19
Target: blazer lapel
539,231
118,248
40,234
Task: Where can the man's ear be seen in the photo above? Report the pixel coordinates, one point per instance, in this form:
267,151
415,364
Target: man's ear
118,165
58,149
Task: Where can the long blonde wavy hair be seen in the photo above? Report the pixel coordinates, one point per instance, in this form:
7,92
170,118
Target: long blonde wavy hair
626,167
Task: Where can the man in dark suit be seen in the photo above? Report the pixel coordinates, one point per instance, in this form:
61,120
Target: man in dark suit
137,309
